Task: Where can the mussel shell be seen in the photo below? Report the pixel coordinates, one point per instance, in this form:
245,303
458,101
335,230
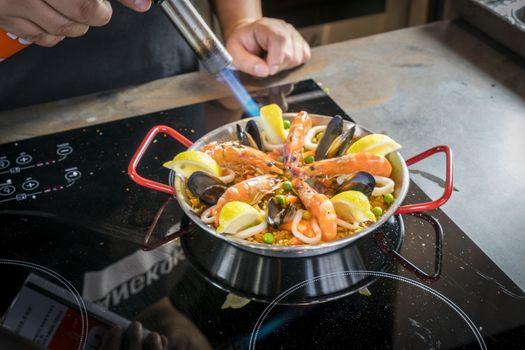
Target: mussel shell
253,130
212,194
205,187
247,138
244,138
346,141
362,181
290,213
332,131
278,215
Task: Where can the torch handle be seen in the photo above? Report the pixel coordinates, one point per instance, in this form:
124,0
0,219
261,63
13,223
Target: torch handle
187,20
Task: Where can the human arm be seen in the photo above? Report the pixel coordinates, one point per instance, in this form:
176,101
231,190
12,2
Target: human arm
47,22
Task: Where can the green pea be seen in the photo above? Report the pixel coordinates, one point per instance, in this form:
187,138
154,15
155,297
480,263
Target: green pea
309,159
281,200
388,198
377,211
268,238
280,159
287,186
286,124
307,215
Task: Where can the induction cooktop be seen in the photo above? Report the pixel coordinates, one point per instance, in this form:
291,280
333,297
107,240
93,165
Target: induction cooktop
70,213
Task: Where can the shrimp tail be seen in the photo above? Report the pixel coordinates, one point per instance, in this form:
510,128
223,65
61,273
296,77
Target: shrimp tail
320,207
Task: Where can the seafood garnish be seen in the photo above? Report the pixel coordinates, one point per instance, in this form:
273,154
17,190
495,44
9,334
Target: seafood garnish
349,163
232,154
307,190
320,206
249,191
293,149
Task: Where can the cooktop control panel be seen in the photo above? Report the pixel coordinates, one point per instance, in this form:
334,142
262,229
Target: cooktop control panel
22,174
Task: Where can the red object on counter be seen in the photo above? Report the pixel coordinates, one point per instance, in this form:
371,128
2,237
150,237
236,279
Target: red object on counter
10,44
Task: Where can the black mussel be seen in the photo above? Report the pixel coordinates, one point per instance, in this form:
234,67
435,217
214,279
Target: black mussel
207,188
212,194
278,215
346,141
290,213
253,130
341,144
361,181
246,138
332,131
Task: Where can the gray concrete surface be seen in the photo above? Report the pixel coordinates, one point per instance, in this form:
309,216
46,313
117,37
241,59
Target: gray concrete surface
469,94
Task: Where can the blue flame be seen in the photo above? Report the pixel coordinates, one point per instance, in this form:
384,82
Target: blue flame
247,102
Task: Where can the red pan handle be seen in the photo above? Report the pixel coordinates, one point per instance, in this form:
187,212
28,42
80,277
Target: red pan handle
449,181
150,136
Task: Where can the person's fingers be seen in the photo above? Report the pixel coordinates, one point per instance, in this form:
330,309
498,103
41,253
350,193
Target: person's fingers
112,339
133,336
49,19
246,61
299,51
164,341
153,342
285,48
297,54
30,32
137,5
305,47
94,13
307,51
280,49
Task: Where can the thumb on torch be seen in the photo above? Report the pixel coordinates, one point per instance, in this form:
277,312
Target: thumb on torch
137,5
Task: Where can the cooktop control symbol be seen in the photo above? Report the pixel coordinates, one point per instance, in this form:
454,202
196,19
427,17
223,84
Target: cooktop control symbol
24,159
64,149
7,190
4,163
30,185
72,174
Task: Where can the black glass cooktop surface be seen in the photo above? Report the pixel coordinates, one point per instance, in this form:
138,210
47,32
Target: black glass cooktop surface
70,214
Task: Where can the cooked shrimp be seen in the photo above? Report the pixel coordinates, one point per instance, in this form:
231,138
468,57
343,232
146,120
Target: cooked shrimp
320,207
249,191
293,149
350,163
237,156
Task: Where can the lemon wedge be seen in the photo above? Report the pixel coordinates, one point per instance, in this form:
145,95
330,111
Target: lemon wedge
188,162
272,123
374,143
352,206
234,301
236,216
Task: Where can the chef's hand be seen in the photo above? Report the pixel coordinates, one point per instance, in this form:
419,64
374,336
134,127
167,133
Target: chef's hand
266,46
47,22
132,339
